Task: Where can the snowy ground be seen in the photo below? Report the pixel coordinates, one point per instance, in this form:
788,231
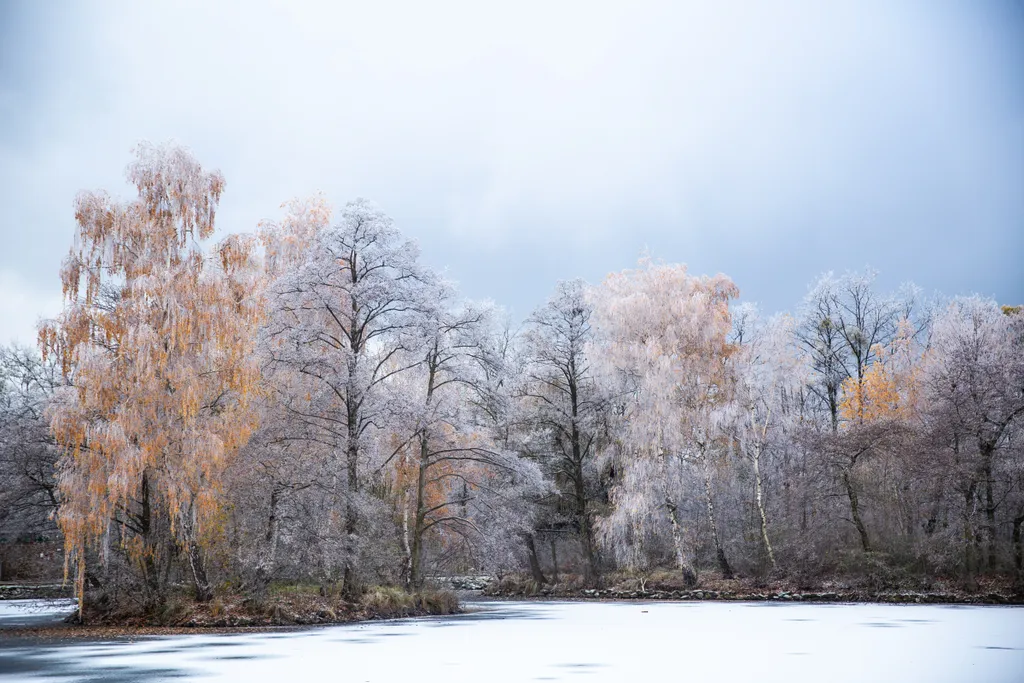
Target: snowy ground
562,641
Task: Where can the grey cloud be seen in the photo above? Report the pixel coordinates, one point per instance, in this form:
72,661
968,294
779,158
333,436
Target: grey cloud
544,141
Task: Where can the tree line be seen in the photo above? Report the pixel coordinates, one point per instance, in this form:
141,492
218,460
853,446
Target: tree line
312,403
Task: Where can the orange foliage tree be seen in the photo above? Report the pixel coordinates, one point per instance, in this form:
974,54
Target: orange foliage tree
285,243
889,387
156,335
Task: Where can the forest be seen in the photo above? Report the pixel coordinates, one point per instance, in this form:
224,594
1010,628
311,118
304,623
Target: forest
311,404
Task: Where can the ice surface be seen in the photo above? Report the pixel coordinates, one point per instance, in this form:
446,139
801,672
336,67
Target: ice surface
33,612
563,641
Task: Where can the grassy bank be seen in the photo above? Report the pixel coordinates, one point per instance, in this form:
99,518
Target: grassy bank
282,606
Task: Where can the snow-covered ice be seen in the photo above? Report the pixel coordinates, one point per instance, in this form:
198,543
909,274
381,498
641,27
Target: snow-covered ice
563,641
15,613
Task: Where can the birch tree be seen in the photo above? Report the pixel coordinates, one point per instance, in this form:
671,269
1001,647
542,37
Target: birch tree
157,332
769,373
664,333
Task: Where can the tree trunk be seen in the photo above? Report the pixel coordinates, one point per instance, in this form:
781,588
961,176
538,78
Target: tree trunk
990,508
723,562
273,529
415,577
419,526
350,581
760,508
684,566
579,485
969,559
554,558
851,492
406,540
1018,547
199,579
150,568
833,405
585,529
268,563
194,555
535,570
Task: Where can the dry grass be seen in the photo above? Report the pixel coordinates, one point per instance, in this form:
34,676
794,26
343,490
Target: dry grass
390,601
283,605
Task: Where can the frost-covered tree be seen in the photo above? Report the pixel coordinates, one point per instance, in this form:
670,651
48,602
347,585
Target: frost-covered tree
842,321
664,336
28,453
157,331
763,413
449,452
281,469
974,384
286,242
346,321
564,405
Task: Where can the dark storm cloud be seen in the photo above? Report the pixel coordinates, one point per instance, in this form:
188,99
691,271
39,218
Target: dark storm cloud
769,141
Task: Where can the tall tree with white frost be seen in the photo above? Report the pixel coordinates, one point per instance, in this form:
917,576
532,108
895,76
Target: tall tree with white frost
768,375
450,452
974,383
664,334
346,320
562,397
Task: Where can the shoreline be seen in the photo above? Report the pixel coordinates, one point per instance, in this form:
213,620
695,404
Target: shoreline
244,623
62,632
831,598
229,614
67,631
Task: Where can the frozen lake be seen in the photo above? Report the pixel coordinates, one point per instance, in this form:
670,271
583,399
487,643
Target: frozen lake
15,613
573,641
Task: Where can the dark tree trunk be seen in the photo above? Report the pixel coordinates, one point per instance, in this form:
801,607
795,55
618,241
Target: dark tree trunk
582,511
420,523
535,570
268,563
554,558
969,536
200,581
150,566
350,581
585,528
851,492
416,560
1018,546
990,508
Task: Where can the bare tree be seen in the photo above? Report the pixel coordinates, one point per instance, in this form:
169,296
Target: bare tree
975,382
28,452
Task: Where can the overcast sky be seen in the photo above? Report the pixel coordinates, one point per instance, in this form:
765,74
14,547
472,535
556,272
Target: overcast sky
770,141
